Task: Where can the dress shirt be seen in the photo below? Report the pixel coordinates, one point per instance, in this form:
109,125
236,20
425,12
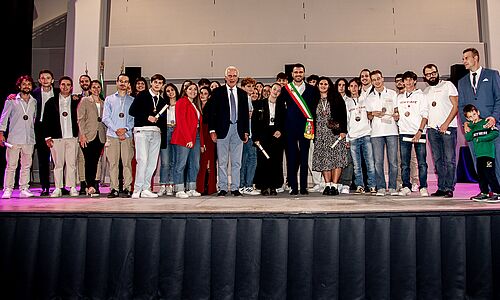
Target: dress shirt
113,106
21,132
300,88
478,72
45,96
66,125
235,93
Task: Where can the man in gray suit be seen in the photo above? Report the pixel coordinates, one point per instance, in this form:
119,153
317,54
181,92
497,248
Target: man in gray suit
481,87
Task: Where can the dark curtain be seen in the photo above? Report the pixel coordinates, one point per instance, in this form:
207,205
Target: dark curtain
16,20
270,257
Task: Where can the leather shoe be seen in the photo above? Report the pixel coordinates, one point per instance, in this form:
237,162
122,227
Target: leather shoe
265,192
45,193
236,193
326,191
64,192
449,194
333,191
273,192
126,193
222,193
294,192
113,194
304,192
438,193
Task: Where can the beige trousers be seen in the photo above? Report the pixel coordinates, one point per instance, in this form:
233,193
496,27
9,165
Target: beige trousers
12,155
64,154
117,149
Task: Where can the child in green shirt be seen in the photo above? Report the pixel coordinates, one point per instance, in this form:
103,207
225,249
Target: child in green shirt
484,150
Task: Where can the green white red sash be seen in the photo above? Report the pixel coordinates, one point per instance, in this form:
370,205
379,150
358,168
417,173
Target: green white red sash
301,103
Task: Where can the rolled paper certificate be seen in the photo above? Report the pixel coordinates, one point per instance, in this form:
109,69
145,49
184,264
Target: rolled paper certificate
164,108
262,150
8,145
336,142
409,139
446,132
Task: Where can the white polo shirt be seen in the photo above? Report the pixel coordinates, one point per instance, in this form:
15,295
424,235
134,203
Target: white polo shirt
384,101
439,103
412,108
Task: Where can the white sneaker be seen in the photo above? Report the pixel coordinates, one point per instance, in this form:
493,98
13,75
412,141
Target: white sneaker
393,192
162,190
73,192
26,193
345,189
170,190
423,192
7,193
380,192
280,190
242,189
182,194
405,191
148,194
56,193
414,187
136,195
250,191
314,189
192,193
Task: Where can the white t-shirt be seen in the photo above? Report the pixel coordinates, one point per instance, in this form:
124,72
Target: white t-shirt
439,103
385,101
358,124
412,108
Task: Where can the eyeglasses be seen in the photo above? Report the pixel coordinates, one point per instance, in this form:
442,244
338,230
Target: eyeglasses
431,74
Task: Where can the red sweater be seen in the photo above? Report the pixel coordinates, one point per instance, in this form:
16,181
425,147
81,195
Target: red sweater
186,123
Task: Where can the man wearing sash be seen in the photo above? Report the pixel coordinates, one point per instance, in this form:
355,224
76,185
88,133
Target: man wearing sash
300,99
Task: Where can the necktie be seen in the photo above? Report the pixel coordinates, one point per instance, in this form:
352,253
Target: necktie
233,106
474,81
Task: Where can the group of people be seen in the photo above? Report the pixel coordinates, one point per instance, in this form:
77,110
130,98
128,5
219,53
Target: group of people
206,133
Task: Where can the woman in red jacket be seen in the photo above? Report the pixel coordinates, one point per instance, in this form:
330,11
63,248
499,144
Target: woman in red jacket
186,138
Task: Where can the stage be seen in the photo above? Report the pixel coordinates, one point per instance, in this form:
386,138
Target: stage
251,247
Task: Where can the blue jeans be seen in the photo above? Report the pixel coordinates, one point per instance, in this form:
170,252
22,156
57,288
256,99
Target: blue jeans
167,160
443,147
147,148
379,144
421,152
187,158
248,164
361,148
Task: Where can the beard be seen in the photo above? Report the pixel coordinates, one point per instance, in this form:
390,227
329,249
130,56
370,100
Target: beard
25,91
433,81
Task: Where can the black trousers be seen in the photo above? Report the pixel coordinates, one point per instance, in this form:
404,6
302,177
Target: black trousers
43,155
297,157
269,172
92,153
486,172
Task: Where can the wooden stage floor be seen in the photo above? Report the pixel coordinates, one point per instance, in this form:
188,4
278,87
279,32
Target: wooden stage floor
314,203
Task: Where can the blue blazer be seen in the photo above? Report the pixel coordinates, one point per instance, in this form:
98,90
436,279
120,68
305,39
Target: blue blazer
219,118
487,97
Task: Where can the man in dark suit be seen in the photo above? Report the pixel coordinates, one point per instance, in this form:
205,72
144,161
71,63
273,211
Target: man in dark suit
301,100
43,93
229,128
481,87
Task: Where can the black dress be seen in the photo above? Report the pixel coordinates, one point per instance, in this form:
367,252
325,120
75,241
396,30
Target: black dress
269,172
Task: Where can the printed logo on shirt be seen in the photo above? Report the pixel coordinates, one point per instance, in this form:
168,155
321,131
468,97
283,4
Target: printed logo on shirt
489,164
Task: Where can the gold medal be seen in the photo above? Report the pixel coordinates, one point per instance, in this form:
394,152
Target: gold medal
25,117
65,114
434,103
